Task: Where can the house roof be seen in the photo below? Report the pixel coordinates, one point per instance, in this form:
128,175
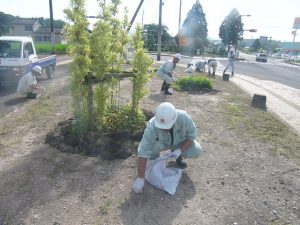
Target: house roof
25,21
47,30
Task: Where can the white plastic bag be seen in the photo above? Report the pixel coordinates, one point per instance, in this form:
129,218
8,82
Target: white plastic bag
162,177
189,70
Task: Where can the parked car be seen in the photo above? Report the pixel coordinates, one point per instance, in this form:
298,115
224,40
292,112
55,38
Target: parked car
261,57
276,55
18,56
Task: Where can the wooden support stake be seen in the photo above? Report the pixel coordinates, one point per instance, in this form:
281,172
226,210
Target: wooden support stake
90,106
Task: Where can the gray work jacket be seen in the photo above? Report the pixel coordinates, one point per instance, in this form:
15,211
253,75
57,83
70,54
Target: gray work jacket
155,140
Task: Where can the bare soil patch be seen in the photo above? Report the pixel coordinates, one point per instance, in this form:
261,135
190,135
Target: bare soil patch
249,173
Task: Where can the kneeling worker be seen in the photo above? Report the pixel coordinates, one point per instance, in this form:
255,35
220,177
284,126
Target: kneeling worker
28,84
171,129
212,64
165,72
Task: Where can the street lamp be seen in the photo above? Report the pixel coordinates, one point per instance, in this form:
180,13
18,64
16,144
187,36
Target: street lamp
246,15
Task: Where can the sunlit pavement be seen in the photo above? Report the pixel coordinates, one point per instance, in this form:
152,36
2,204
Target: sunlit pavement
282,100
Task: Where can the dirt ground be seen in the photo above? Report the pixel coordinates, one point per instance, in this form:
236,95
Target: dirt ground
249,173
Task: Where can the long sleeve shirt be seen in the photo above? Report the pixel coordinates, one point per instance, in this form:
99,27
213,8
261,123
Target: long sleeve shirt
155,140
166,68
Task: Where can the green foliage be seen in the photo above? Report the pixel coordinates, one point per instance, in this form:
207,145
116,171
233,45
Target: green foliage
142,67
256,45
79,49
43,48
108,39
56,23
193,83
231,29
102,52
150,38
195,27
5,20
121,118
47,48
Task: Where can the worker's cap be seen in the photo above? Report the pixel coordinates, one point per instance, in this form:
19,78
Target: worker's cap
37,69
165,115
178,56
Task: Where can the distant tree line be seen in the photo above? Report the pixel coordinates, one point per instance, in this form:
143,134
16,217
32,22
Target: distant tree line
7,19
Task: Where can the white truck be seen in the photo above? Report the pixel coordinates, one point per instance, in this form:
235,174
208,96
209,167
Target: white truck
18,56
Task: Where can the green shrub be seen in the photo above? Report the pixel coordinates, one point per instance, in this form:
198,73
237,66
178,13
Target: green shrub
121,118
193,83
61,48
47,48
43,48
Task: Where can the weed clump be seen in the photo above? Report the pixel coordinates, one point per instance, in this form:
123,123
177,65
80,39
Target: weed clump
193,83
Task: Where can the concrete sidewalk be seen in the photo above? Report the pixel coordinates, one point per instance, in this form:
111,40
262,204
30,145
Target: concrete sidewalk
282,100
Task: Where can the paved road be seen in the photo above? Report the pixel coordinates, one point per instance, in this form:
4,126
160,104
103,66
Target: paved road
273,70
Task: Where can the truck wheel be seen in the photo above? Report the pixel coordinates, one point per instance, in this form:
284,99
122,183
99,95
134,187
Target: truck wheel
50,72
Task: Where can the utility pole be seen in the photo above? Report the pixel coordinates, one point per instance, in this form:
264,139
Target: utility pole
51,25
135,14
270,46
159,32
179,23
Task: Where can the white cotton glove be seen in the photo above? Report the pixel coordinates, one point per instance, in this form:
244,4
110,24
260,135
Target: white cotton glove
138,185
174,154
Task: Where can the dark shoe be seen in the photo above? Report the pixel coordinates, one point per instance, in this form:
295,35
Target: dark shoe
31,95
163,86
180,163
166,91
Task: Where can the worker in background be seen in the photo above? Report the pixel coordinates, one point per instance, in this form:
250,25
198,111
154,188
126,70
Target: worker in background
165,72
28,84
230,61
170,129
212,66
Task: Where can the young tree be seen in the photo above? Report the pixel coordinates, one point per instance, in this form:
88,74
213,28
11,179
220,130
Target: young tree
195,26
101,52
231,29
79,49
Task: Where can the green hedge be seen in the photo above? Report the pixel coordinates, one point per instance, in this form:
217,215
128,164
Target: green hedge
47,48
193,83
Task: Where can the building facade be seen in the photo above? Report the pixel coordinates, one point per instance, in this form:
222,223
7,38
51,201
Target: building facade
33,27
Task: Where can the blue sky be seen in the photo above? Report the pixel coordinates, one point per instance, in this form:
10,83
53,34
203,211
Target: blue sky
272,18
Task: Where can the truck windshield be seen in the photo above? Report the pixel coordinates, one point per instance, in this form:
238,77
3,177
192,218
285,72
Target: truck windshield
10,49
